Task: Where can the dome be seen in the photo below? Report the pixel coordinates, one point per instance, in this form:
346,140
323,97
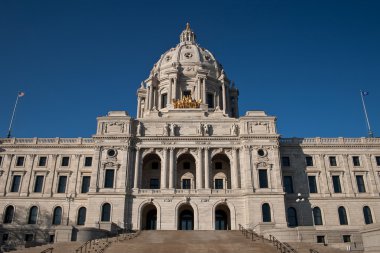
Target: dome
187,57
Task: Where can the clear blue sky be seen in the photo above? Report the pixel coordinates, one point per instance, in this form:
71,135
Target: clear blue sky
302,61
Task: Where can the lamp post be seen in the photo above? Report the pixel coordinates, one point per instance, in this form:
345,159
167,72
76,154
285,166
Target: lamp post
69,199
299,200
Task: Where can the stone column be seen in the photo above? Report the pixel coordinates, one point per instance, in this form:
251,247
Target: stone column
234,174
371,176
137,169
138,107
325,180
148,101
164,169
151,98
175,88
26,188
224,97
4,179
204,90
248,169
347,177
199,169
171,168
207,168
73,178
170,95
94,185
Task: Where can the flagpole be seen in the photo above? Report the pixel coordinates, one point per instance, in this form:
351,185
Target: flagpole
13,114
370,134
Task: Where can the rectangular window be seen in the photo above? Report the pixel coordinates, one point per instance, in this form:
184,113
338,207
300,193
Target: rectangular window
360,183
20,161
65,161
85,184
218,166
42,161
263,179
312,184
154,165
332,160
210,100
62,180
164,100
88,161
377,160
346,238
288,184
154,183
285,161
1,161
218,183
321,239
16,183
38,183
186,184
309,161
109,178
356,160
336,184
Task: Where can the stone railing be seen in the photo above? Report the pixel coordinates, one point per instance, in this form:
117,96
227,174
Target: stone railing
328,141
185,191
65,141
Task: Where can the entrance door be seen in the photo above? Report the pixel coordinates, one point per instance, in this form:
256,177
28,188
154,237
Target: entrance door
151,220
186,220
221,221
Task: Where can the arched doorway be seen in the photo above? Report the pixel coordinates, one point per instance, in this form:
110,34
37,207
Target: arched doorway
186,218
149,217
186,172
151,172
221,172
222,217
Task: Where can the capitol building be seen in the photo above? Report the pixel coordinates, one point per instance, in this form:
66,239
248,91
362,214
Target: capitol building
190,161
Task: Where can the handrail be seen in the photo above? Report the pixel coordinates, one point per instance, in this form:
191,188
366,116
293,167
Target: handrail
280,246
250,233
48,250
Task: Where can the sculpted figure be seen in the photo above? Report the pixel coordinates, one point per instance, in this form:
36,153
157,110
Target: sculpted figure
234,129
172,129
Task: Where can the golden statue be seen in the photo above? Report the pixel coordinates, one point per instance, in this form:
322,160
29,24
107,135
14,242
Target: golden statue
186,102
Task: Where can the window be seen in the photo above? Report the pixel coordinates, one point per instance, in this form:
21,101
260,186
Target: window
16,181
321,239
62,180
106,212
164,100
29,237
154,183
81,220
309,161
346,238
20,161
265,209
38,184
360,183
342,216
109,178
288,184
218,166
317,214
292,217
312,184
336,184
65,161
88,161
42,161
263,179
219,184
85,184
285,161
367,215
186,165
155,165
186,183
9,213
57,216
210,100
33,212
377,160
5,237
356,160
332,160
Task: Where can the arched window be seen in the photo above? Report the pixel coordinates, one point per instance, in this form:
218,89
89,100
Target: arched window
367,215
342,216
33,213
106,212
292,217
57,216
317,214
265,209
81,220
9,212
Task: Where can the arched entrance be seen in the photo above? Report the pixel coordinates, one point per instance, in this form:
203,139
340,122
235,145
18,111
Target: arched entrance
186,218
149,217
186,172
222,217
151,172
221,172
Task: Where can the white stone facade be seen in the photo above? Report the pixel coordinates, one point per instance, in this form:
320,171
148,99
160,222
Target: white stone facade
188,162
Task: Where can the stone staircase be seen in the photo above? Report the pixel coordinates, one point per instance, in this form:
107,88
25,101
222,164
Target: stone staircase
301,247
59,247
192,241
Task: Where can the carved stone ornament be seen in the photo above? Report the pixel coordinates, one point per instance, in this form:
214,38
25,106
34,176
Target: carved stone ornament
188,55
187,199
110,164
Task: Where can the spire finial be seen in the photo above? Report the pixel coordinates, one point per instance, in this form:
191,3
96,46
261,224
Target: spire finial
188,26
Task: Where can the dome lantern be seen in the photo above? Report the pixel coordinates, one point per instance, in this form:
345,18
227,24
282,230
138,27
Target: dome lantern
187,35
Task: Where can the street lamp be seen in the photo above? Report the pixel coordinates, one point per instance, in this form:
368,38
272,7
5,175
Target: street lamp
69,199
299,200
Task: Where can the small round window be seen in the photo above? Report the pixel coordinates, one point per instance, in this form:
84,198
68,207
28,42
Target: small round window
261,152
111,152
